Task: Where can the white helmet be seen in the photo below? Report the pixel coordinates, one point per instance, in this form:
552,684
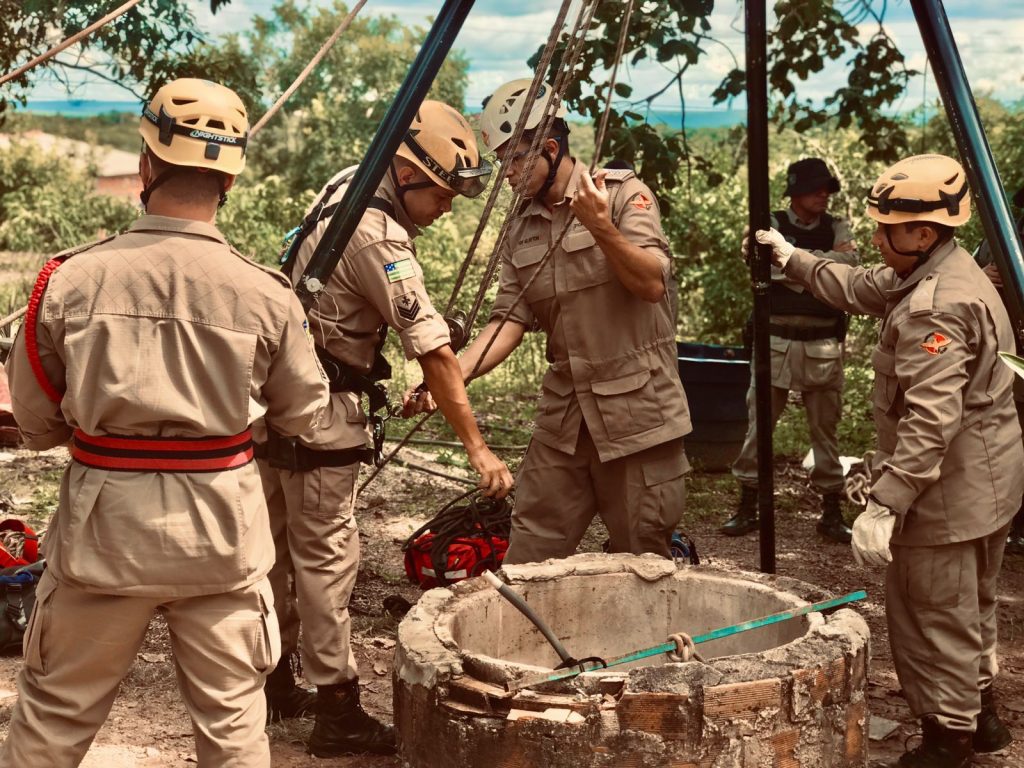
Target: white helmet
503,107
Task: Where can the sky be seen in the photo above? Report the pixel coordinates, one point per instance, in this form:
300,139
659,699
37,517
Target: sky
499,36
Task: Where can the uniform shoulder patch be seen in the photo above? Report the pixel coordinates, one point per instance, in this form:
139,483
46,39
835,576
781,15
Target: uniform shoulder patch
641,202
399,270
935,343
407,305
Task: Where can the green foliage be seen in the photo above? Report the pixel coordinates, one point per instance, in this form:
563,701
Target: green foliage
808,36
113,129
35,214
330,120
258,214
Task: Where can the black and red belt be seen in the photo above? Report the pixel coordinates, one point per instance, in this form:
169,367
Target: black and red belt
123,453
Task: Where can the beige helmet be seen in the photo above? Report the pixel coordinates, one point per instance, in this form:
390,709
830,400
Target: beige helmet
442,144
198,124
503,107
921,188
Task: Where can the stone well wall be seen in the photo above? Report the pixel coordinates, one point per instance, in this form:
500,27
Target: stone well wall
787,696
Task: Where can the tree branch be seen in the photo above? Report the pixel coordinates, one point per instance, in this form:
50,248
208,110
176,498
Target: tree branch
92,71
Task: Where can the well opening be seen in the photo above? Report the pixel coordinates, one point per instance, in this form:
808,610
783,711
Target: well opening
786,694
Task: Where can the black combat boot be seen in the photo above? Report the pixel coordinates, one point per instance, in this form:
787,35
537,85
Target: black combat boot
831,524
991,735
344,728
940,748
745,519
285,699
1015,539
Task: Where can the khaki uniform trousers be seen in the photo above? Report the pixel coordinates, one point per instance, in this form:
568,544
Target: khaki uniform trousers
940,604
823,407
312,519
80,645
640,498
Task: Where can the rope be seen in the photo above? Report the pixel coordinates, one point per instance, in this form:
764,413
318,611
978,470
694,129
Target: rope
858,484
570,218
317,58
70,41
520,128
517,134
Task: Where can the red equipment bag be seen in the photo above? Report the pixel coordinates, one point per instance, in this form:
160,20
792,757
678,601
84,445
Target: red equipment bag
460,542
19,544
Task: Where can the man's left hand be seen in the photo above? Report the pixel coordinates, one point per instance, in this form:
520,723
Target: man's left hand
591,203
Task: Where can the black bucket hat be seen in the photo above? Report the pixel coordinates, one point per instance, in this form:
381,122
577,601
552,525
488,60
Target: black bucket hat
808,175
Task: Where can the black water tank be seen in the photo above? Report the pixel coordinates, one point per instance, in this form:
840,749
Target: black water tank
716,379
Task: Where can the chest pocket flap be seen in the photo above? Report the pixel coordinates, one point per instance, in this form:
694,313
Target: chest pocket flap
527,262
585,263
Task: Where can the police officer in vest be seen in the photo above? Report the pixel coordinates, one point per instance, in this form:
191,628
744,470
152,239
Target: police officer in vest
807,353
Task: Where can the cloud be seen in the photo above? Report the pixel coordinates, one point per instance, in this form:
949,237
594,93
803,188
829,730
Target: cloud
500,35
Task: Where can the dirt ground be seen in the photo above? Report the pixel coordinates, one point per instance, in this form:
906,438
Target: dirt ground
148,725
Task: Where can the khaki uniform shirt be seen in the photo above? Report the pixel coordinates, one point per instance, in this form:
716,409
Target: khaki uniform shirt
807,365
377,281
949,446
612,355
165,331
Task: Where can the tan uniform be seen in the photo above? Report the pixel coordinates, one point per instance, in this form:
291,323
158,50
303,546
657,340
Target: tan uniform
378,280
164,331
814,368
948,461
612,412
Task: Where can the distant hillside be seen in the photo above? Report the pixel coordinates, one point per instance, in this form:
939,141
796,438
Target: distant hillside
114,129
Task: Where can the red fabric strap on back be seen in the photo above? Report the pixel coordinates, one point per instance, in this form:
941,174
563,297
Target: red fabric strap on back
122,453
31,317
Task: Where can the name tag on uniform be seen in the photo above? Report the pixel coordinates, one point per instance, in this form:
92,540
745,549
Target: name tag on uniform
399,270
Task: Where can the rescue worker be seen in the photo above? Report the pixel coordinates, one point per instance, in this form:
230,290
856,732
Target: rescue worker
946,478
311,490
806,349
151,352
612,414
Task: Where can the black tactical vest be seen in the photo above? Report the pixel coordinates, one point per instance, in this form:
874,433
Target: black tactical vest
787,302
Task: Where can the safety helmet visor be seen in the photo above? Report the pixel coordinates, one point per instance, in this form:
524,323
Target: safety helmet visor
466,181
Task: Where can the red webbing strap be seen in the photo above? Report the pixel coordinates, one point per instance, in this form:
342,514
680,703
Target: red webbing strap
31,316
160,454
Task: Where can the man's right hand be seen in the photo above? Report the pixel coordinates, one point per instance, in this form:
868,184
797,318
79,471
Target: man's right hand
417,400
992,273
495,479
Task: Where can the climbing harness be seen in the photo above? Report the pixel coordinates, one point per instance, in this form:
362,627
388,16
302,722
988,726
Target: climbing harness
467,537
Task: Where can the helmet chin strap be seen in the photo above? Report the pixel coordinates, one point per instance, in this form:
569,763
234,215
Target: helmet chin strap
922,256
552,167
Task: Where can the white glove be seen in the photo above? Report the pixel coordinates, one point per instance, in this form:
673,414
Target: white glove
871,533
781,249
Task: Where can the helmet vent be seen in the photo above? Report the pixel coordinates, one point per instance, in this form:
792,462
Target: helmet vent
899,177
191,121
458,142
218,124
952,178
182,102
506,127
